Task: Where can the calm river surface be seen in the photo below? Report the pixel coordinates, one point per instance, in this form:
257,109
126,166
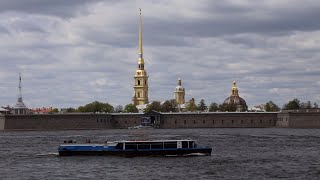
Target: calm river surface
237,154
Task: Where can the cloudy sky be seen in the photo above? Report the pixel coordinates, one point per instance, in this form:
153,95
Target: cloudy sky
74,52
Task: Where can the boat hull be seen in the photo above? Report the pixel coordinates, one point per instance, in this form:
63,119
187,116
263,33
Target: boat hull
133,153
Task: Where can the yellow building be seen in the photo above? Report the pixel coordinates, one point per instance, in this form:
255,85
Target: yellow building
179,93
140,96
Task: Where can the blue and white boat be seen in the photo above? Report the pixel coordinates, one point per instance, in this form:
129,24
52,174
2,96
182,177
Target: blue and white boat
185,147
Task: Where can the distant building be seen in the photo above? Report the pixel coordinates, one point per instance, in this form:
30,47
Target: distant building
235,100
258,108
4,111
179,96
140,96
41,110
179,93
20,107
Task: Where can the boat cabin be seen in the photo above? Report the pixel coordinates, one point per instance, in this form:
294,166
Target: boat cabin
155,145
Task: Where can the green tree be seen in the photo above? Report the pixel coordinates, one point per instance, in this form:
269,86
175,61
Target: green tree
202,105
228,107
154,106
294,104
191,105
54,110
267,107
271,107
166,106
213,107
131,108
97,106
169,106
71,110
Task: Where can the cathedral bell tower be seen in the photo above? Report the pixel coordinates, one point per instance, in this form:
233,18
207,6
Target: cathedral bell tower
140,78
179,93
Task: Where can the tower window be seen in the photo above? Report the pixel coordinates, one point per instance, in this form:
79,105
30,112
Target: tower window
145,82
138,82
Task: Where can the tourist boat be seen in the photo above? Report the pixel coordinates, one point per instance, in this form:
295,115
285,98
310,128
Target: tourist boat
136,148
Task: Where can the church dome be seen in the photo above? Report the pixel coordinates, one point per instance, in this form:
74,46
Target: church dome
236,100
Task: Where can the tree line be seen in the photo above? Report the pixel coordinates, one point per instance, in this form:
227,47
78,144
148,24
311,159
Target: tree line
191,106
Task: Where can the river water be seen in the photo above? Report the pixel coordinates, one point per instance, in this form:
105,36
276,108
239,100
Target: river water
238,153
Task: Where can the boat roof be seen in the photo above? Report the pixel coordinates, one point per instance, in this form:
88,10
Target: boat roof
153,140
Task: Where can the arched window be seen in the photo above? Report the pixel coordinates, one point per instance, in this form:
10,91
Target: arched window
138,82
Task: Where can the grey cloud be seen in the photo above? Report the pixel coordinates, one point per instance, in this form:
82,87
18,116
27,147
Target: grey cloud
60,8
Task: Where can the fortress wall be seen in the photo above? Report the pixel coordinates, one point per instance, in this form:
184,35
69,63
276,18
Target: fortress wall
57,121
126,120
2,122
212,120
167,120
304,119
283,120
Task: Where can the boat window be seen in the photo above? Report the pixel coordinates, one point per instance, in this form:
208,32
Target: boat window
191,144
131,146
157,145
143,145
170,144
119,146
184,144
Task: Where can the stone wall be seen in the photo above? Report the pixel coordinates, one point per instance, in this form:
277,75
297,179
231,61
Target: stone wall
2,121
71,121
166,120
125,120
58,121
212,120
299,119
283,119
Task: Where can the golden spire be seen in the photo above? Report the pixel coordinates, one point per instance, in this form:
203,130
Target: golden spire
140,61
234,90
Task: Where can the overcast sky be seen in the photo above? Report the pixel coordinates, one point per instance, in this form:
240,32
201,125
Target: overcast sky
73,52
